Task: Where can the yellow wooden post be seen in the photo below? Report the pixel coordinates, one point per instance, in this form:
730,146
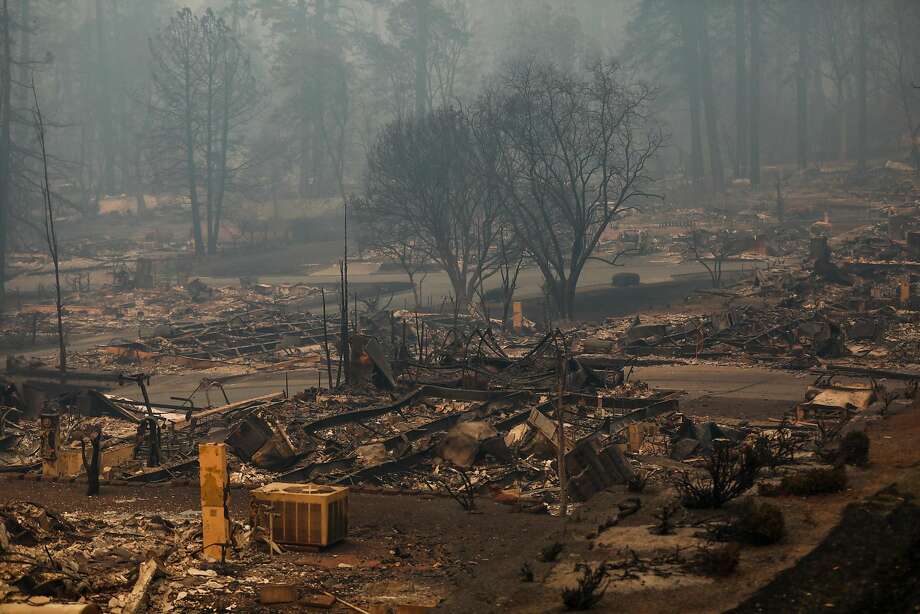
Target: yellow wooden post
215,482
904,290
517,318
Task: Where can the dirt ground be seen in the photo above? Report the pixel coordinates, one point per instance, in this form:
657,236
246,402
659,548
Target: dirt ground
424,550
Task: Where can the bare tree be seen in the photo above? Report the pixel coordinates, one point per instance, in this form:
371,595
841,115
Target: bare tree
741,90
310,51
510,262
691,66
837,45
574,153
396,243
231,99
423,180
754,92
50,234
707,89
204,92
802,67
177,77
5,143
900,59
712,248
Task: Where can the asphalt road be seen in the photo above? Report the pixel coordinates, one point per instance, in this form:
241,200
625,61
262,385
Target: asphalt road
716,390
728,382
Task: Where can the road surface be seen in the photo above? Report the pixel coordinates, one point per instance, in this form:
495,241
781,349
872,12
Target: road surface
716,390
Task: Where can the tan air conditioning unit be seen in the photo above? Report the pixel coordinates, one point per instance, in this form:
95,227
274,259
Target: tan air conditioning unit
311,515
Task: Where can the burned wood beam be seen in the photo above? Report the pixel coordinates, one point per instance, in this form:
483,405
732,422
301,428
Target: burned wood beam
832,369
14,367
223,409
423,392
154,405
164,472
407,462
614,402
313,471
671,403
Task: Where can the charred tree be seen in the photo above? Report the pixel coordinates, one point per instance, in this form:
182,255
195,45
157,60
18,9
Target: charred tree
204,93
422,8
91,464
425,189
741,91
709,99
574,152
6,83
756,63
801,82
104,118
691,68
861,113
50,234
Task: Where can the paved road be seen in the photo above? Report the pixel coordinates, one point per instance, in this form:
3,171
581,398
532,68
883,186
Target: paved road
654,268
728,382
748,390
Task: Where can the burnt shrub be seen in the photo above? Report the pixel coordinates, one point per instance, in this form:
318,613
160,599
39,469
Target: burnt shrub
718,561
526,572
758,523
730,470
854,449
550,552
817,481
592,584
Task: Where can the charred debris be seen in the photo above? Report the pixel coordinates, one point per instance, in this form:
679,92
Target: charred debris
436,403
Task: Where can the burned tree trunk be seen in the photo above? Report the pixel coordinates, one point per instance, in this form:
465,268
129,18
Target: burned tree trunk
421,57
5,145
691,65
756,62
741,91
861,114
709,100
50,234
107,177
91,465
801,83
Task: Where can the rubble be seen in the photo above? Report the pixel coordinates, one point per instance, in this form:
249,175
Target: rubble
429,404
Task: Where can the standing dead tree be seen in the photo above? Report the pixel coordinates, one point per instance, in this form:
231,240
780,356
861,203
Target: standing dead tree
574,150
900,58
94,434
50,235
510,262
204,93
5,144
423,181
712,248
397,244
231,100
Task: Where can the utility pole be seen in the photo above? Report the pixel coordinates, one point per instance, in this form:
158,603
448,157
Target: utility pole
756,61
560,420
50,235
